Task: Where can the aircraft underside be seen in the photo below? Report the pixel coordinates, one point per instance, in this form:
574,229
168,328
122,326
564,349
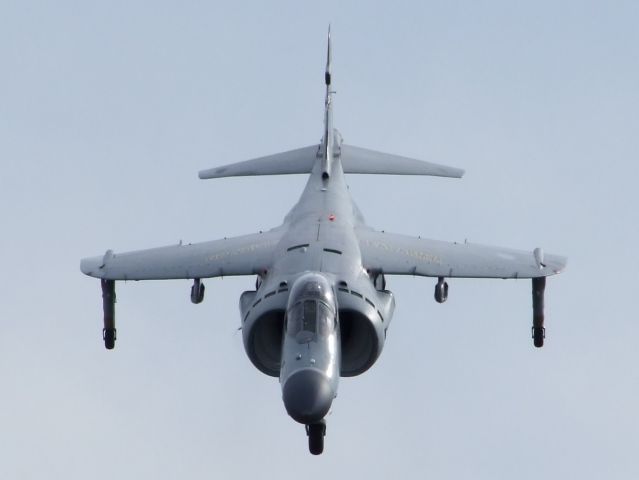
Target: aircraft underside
320,309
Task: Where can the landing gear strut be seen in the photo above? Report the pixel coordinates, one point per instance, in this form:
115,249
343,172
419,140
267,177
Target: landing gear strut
316,433
108,305
538,330
441,290
197,291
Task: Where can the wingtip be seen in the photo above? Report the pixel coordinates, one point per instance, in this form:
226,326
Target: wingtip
452,172
556,263
208,173
91,266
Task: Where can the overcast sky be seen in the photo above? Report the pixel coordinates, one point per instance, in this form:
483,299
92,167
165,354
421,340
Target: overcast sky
107,112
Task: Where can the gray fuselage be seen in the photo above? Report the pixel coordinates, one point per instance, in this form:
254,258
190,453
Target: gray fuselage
319,237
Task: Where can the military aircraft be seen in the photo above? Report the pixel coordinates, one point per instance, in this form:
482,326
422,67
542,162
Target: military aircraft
321,309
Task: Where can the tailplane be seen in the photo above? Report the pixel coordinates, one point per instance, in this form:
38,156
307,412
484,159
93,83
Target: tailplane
300,160
353,160
362,160
331,151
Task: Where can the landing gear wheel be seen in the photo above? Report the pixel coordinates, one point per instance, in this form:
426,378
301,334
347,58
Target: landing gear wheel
197,291
108,335
539,333
441,290
316,433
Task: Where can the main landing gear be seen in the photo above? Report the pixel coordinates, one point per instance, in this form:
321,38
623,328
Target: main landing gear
197,291
316,433
441,290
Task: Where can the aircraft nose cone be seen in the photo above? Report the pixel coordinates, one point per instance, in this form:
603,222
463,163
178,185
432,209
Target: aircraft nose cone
307,396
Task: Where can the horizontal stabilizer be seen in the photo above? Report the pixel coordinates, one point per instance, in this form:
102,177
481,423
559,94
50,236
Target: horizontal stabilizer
362,160
300,160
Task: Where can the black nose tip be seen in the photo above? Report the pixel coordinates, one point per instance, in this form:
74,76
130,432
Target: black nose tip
307,396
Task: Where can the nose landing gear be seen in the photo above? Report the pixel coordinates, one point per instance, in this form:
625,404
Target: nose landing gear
316,433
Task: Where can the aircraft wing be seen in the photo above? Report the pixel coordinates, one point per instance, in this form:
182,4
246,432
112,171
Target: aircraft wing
244,255
394,254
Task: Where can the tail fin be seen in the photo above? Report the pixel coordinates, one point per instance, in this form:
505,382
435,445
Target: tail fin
327,74
353,159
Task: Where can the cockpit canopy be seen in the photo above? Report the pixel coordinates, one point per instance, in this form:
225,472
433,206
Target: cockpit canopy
311,309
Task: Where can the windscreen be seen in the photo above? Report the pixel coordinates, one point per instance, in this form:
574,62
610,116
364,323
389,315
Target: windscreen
310,313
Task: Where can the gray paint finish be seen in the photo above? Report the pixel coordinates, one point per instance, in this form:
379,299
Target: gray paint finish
323,241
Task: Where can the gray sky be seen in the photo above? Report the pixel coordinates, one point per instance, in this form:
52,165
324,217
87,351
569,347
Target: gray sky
107,112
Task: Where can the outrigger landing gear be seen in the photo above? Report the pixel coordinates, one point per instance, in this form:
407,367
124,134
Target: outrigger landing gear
197,291
316,433
109,336
108,305
538,335
538,330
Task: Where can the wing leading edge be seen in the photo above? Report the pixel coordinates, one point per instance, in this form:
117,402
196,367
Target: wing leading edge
244,255
395,254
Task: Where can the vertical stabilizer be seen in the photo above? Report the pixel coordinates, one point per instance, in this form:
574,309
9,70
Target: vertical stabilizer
328,140
327,74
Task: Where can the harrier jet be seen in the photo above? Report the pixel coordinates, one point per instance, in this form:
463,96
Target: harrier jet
321,307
